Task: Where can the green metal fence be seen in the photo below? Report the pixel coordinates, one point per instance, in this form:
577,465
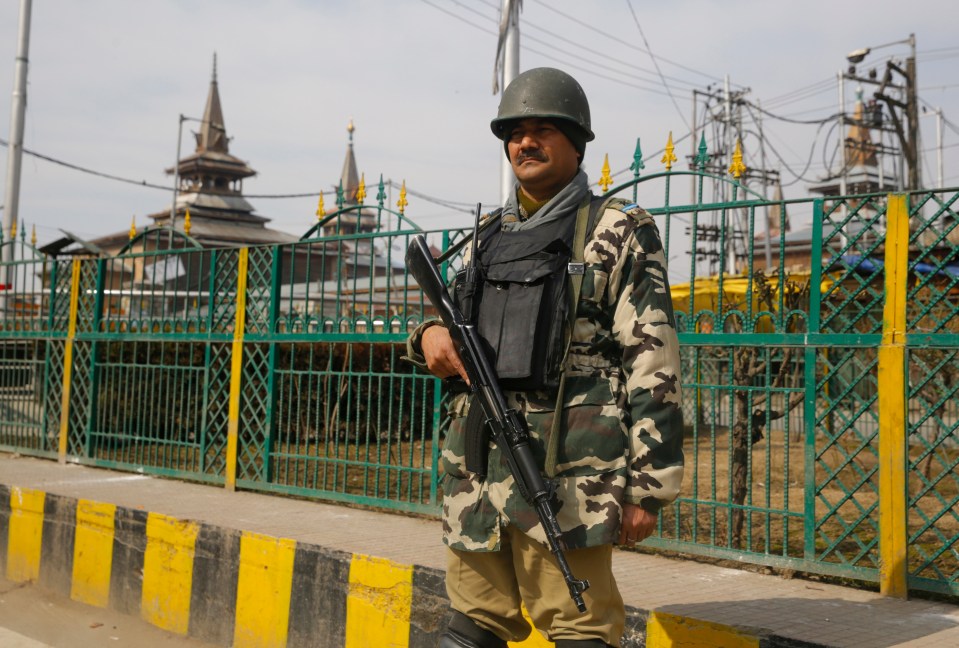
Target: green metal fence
279,369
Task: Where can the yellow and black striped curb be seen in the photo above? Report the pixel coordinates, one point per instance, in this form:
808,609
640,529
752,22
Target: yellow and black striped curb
248,590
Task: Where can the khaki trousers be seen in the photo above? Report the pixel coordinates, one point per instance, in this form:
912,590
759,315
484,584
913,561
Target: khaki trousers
488,587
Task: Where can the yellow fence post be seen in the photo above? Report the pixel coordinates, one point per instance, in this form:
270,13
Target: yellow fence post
68,362
892,404
236,371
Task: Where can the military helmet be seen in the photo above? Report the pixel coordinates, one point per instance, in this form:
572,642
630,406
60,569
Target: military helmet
546,93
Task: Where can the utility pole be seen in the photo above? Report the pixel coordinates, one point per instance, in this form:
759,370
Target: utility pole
903,109
939,171
17,114
767,247
508,53
725,106
842,134
912,116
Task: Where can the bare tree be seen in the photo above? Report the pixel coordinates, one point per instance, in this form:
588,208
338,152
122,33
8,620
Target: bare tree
753,411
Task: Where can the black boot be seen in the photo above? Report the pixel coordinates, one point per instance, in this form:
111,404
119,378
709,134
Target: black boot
462,632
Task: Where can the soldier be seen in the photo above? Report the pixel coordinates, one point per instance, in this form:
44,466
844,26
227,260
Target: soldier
614,454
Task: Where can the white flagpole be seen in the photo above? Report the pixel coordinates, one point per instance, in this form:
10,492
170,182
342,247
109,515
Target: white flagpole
510,53
17,113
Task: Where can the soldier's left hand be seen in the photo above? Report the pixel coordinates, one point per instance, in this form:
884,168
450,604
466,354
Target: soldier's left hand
638,524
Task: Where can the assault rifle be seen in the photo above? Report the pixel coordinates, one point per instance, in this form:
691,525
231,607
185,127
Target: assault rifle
509,429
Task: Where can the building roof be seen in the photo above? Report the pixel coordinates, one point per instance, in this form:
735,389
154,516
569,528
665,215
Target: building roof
210,190
72,245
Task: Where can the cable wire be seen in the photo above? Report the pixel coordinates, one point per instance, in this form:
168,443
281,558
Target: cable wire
581,24
656,64
465,207
552,57
76,167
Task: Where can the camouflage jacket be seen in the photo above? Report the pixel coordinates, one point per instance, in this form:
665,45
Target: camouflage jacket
622,441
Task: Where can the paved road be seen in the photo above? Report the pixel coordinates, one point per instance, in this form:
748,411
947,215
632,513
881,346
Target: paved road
33,618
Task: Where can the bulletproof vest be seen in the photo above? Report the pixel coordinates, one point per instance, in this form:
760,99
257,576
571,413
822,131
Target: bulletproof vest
520,303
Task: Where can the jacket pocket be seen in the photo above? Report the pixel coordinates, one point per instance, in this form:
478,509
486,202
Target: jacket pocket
594,438
453,456
594,285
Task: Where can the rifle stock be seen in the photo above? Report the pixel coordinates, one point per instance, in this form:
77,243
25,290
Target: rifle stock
509,428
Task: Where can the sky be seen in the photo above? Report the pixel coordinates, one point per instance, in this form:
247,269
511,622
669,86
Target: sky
108,80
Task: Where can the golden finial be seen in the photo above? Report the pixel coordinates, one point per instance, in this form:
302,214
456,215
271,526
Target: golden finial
13,231
361,190
133,227
33,236
350,127
320,209
670,155
402,202
737,168
186,223
605,179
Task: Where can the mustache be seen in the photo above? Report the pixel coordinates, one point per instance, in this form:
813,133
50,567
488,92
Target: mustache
531,154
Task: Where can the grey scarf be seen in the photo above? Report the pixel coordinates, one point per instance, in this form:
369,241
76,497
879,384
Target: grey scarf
563,204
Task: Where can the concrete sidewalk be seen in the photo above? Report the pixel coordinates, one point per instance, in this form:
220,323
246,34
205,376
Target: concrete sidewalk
248,569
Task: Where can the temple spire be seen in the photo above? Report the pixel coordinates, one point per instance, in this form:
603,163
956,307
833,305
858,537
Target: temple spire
350,178
860,150
212,135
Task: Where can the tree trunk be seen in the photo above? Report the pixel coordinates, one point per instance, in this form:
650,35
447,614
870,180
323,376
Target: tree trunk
739,475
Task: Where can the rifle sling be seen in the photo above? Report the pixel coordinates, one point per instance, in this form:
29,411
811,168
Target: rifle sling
586,219
477,431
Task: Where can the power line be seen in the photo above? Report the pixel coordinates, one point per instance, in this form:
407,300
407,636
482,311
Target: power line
817,109
593,72
75,167
604,61
583,25
799,94
460,18
939,50
940,87
656,64
465,207
450,204
807,122
605,57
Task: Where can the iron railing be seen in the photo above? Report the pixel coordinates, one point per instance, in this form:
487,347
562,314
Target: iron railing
280,369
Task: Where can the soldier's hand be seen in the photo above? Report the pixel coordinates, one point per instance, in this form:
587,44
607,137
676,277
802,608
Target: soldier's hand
638,524
440,353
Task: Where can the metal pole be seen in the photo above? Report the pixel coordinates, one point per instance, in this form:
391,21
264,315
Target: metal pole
842,135
842,149
510,72
762,152
693,145
730,236
17,114
912,118
176,171
939,174
880,161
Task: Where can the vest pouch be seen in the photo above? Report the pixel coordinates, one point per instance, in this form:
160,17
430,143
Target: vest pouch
523,316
